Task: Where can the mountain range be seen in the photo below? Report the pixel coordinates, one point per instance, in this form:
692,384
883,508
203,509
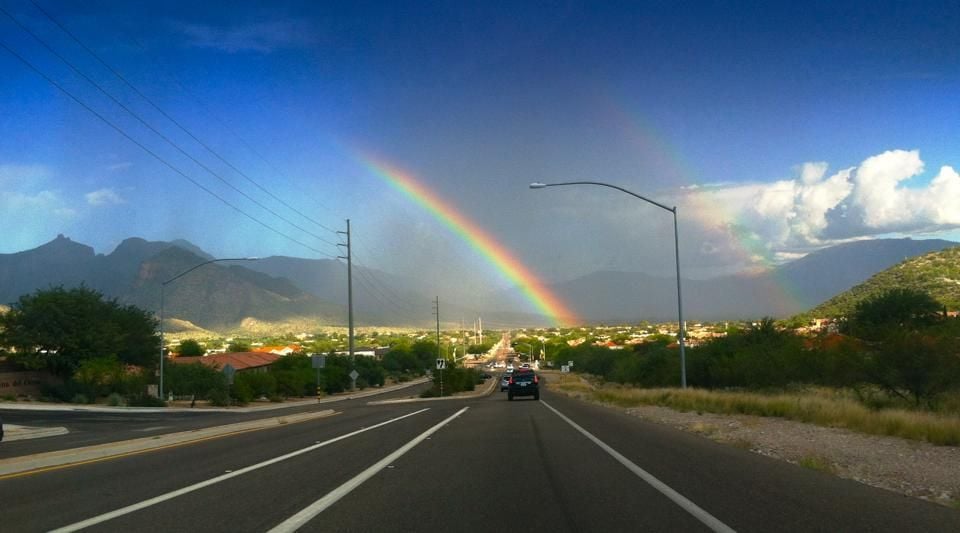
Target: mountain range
304,293
786,290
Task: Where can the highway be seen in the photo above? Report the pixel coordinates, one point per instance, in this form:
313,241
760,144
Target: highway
482,464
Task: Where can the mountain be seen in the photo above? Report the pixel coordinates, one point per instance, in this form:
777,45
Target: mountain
291,292
616,297
217,296
936,273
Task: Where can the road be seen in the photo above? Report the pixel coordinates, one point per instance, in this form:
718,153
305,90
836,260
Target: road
481,464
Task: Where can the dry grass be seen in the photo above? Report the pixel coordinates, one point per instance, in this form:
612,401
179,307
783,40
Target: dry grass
820,407
816,462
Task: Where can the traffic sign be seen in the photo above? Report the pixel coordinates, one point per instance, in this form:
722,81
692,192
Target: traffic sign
354,375
318,361
441,364
570,364
229,371
564,368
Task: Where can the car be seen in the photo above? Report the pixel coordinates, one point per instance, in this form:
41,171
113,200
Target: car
1,428
523,382
504,382
510,367
525,365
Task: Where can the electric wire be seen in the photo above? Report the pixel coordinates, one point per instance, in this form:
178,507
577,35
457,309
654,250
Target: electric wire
154,154
160,134
173,120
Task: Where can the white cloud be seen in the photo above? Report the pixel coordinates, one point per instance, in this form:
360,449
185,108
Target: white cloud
881,195
103,197
14,175
262,36
877,192
116,167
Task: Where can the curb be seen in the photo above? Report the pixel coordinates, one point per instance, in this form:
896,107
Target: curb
20,406
494,381
20,466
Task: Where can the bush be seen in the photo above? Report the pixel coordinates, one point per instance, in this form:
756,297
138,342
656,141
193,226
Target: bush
115,400
260,384
80,398
145,400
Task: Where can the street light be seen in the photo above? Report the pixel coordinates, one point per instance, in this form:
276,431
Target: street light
676,245
163,286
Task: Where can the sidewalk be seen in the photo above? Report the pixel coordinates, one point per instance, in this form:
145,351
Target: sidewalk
17,432
64,407
458,396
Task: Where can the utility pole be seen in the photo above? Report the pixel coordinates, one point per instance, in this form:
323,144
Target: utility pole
436,311
480,319
349,259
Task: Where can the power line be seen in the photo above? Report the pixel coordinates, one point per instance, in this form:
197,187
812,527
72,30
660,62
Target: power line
152,153
158,133
174,121
383,285
397,303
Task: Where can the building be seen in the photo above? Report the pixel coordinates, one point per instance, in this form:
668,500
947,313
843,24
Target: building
240,361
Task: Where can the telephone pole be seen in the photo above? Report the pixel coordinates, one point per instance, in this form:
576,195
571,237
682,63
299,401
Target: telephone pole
349,287
436,311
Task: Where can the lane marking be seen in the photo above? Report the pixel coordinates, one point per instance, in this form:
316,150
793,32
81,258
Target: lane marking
187,437
298,520
706,518
212,481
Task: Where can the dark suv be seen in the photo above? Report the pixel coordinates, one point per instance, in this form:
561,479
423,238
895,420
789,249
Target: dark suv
524,382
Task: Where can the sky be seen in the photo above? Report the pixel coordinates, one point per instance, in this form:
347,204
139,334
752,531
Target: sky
776,128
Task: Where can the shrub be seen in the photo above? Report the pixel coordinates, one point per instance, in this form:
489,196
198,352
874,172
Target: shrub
80,398
115,400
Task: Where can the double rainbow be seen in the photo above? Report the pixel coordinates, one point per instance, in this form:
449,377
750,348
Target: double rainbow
545,301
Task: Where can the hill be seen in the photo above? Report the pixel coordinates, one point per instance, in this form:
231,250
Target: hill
618,297
936,273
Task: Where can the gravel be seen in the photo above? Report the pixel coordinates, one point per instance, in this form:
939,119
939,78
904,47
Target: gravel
917,469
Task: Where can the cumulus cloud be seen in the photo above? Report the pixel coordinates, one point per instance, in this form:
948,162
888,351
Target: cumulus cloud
262,36
884,194
103,197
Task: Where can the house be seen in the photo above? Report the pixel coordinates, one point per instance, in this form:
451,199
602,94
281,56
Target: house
279,350
240,361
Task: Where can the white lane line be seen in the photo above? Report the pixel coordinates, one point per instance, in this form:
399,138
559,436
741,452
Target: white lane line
212,481
708,519
308,513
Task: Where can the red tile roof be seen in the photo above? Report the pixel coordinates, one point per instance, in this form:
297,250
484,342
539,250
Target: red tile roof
238,360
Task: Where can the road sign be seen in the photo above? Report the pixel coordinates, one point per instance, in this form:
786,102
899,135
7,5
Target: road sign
564,368
318,361
570,364
229,371
354,375
441,364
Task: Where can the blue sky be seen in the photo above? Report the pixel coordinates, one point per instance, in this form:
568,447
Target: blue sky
791,126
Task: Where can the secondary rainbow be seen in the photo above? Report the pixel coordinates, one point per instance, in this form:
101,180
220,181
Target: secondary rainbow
482,242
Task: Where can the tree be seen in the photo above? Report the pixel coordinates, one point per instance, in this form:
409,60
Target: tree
194,379
58,329
897,308
238,346
190,348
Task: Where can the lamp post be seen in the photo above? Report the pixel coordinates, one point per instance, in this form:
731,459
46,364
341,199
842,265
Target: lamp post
163,287
676,247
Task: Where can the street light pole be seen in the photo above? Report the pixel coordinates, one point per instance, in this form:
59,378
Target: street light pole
676,247
163,287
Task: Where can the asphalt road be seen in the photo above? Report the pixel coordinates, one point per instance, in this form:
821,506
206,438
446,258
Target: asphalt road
467,465
88,428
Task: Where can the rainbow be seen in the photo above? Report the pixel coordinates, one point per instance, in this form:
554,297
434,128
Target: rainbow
482,242
702,206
